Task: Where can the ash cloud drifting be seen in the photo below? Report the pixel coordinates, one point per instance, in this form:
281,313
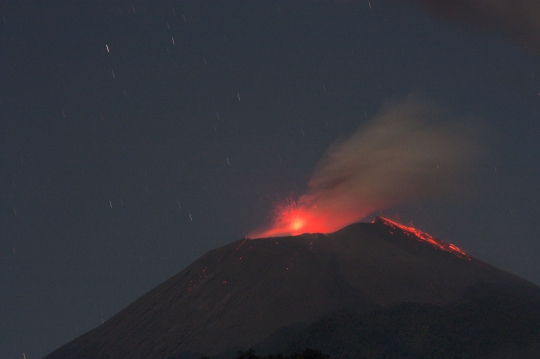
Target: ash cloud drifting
520,19
411,150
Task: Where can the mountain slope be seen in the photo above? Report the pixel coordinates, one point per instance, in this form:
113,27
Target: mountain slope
489,322
260,292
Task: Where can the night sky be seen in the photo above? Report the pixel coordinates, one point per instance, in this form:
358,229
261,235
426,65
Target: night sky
136,136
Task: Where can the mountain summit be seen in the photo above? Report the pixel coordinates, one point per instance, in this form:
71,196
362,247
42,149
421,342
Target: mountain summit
368,290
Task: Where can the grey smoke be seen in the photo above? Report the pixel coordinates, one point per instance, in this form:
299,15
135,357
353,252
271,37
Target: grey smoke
412,149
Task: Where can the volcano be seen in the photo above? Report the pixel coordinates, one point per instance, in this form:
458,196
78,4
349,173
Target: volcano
369,290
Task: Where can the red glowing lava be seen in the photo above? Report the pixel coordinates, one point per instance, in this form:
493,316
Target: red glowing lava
293,218
289,219
415,233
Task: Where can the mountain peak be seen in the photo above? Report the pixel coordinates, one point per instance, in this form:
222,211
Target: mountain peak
250,292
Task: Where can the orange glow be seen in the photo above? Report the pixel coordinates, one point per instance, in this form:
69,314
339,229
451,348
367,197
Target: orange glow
415,233
294,218
296,224
291,218
399,155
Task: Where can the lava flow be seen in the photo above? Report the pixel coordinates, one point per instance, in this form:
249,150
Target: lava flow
419,235
293,219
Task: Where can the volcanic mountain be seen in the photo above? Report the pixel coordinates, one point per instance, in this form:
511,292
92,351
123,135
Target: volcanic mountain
369,290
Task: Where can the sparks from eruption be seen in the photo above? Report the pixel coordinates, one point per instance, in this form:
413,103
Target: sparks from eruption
292,218
289,218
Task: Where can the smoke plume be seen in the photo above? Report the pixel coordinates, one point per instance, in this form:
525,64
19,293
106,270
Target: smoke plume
410,150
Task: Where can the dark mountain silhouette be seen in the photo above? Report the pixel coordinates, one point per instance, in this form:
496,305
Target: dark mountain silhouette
370,290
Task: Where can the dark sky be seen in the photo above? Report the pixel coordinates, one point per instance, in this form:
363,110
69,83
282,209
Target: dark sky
136,136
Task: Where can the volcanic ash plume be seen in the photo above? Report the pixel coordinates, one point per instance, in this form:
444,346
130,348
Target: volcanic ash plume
410,150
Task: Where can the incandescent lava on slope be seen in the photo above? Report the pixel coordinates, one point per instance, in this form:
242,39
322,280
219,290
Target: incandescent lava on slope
296,220
422,236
